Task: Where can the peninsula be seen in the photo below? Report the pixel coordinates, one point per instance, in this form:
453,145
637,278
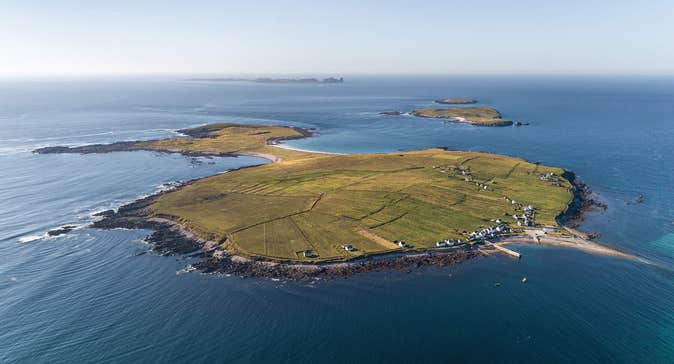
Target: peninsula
475,115
312,214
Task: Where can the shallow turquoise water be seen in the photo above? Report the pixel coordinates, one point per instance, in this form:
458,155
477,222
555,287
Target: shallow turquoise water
93,296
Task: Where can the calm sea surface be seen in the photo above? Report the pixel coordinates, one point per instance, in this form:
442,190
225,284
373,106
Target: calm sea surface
97,296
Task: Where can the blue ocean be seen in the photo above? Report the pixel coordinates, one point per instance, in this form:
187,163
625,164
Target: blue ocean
94,296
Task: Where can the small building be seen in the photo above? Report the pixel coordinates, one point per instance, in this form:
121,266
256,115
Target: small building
403,244
308,254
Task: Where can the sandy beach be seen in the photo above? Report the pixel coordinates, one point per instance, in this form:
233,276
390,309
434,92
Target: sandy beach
285,146
575,241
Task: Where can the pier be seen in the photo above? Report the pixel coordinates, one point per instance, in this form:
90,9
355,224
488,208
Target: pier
507,251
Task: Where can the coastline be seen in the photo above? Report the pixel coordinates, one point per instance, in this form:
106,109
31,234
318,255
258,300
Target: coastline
576,241
171,237
285,146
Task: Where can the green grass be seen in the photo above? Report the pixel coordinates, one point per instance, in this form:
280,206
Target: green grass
477,115
322,202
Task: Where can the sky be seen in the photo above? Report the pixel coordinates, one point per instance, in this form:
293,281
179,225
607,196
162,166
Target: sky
198,37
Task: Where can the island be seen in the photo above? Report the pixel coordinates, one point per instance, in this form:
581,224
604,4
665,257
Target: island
455,101
270,80
310,214
474,115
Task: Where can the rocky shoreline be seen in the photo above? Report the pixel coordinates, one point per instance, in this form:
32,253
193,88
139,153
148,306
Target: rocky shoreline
583,201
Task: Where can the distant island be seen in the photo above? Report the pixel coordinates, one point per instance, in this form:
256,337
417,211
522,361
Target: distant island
313,214
458,101
270,80
475,115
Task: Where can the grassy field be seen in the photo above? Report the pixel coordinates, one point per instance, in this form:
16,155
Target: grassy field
232,139
322,202
477,115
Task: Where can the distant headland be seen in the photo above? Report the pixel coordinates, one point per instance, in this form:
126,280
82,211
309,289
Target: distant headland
456,101
269,80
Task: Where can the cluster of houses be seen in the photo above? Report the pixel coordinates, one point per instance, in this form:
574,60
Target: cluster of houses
448,242
482,186
465,173
527,218
489,233
467,177
549,177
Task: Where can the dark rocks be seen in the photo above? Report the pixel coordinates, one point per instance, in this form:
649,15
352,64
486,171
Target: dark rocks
61,230
93,148
391,113
262,269
583,201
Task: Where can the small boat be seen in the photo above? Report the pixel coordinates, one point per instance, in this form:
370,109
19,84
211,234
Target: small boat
524,280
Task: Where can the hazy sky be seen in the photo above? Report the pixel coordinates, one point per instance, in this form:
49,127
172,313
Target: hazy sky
335,37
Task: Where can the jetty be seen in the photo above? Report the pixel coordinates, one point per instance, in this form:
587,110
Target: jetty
507,251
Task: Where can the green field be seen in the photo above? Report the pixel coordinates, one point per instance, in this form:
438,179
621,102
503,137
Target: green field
477,115
321,202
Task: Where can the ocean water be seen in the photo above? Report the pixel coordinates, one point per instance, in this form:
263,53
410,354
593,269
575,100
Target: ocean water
98,296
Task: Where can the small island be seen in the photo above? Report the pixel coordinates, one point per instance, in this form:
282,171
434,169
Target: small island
312,214
271,80
474,115
455,101
391,113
